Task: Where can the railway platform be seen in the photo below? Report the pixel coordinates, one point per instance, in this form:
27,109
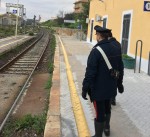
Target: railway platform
71,116
11,42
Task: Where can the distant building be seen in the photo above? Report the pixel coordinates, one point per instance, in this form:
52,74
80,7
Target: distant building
9,19
79,5
29,22
53,18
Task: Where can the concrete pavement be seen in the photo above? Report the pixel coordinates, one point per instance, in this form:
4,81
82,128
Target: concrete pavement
130,117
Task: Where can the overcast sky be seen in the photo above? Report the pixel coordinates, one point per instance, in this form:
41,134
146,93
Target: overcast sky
45,8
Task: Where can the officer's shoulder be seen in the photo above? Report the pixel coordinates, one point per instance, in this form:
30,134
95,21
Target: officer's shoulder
94,50
114,40
95,47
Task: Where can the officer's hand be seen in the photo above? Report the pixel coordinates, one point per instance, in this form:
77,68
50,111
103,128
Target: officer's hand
120,88
84,94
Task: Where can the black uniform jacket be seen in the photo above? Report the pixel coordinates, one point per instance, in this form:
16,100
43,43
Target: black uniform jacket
114,42
98,81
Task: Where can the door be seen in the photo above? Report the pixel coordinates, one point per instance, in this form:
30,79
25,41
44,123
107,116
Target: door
91,36
125,33
104,22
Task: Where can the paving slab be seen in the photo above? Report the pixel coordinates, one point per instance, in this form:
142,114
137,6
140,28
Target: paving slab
130,118
53,125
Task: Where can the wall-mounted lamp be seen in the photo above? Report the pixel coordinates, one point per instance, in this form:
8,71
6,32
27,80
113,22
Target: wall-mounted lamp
101,0
98,18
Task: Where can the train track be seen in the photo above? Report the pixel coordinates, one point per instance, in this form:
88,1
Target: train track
23,66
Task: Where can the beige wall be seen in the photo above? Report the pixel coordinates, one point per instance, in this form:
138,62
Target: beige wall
140,26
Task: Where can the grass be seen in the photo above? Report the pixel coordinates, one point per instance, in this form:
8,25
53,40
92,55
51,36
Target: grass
7,31
51,61
50,67
49,82
36,123
31,34
28,123
53,44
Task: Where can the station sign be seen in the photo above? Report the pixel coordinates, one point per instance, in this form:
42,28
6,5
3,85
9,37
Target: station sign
147,6
69,21
14,11
14,5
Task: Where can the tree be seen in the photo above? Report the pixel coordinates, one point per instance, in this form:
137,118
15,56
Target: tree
59,22
70,16
60,14
84,14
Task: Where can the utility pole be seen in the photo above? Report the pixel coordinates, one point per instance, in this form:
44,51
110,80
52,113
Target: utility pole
17,18
34,19
24,19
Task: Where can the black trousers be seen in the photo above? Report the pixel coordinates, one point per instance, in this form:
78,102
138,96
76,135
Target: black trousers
102,108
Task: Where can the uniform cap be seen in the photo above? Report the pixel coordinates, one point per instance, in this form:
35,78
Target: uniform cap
101,29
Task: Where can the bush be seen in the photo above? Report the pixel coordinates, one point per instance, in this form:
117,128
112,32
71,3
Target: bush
31,34
125,56
128,61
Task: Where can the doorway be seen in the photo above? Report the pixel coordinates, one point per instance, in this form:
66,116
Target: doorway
91,36
125,33
104,22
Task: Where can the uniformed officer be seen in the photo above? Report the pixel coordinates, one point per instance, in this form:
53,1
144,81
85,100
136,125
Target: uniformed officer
99,83
120,87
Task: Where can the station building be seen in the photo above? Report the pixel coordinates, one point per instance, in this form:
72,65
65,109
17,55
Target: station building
129,21
9,20
78,5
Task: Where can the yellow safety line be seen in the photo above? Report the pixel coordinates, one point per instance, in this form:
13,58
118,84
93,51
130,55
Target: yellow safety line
11,42
83,130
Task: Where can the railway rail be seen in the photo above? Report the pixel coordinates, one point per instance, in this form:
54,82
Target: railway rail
24,65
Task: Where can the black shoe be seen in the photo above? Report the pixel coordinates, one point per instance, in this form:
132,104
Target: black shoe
107,125
99,128
107,132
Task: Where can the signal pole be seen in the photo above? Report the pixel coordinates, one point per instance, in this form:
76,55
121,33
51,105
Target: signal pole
17,18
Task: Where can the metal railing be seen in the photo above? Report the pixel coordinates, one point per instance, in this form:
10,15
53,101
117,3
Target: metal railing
136,55
149,65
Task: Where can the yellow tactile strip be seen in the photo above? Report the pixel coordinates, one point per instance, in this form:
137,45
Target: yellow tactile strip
81,123
52,128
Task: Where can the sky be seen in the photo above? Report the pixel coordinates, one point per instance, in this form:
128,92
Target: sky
45,8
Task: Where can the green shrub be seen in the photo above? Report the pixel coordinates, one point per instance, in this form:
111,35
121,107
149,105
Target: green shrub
31,34
128,61
125,56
